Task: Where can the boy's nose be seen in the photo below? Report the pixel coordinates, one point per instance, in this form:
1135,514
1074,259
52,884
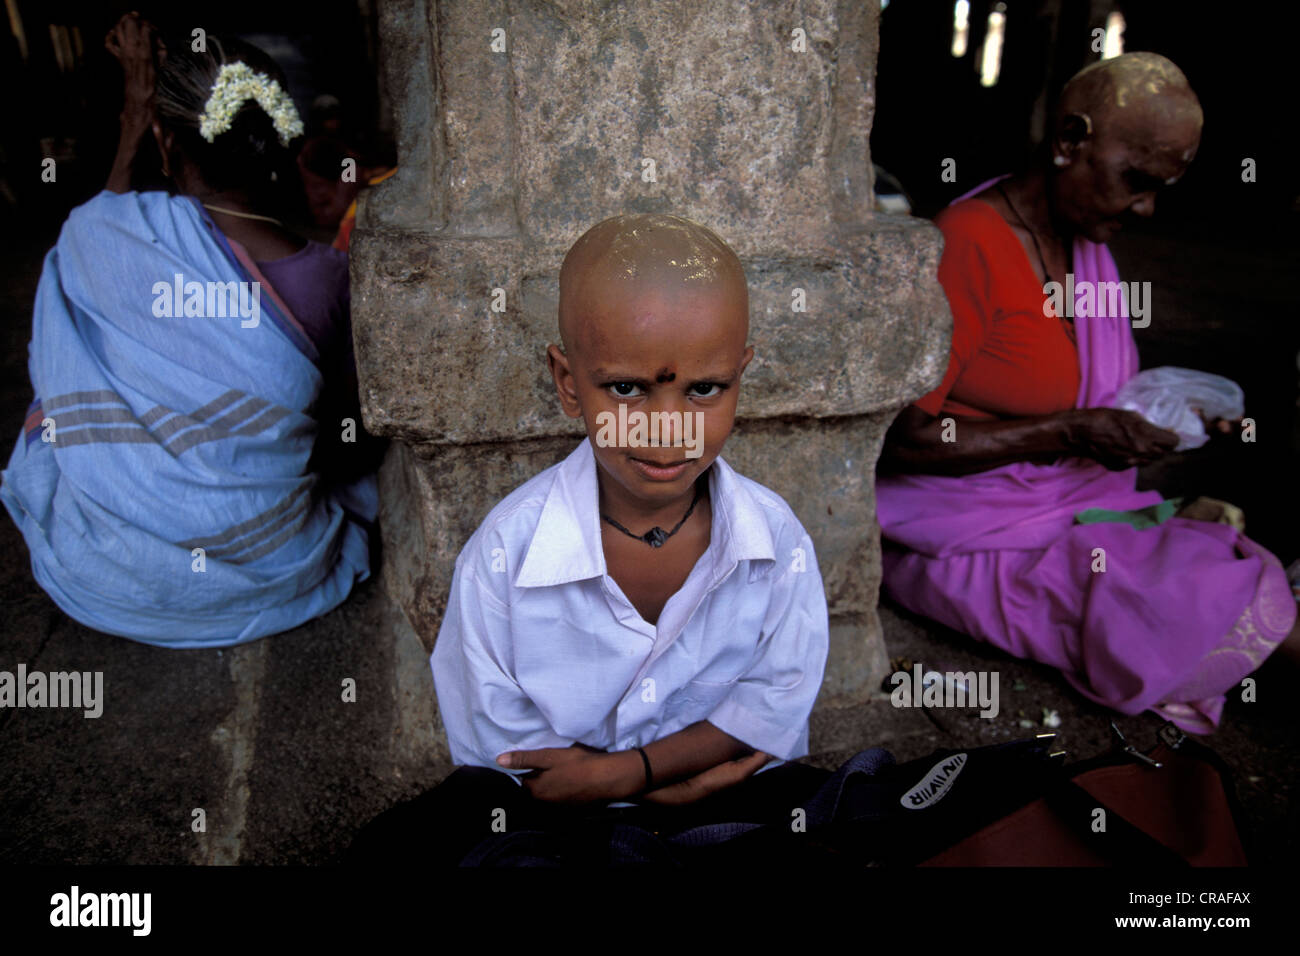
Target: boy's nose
666,422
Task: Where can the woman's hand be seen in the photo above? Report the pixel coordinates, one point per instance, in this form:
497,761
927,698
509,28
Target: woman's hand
1118,438
717,778
1217,426
133,42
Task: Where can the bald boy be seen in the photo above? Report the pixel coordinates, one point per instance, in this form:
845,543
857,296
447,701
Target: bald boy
638,629
654,315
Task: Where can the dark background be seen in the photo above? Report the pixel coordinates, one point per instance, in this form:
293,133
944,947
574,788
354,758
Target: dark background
72,102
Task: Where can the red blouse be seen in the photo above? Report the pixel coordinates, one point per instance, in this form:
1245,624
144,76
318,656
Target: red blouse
1008,359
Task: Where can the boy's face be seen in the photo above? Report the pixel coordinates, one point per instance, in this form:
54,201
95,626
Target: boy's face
654,349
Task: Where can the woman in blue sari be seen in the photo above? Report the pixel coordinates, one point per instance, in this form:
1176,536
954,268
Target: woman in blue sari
191,360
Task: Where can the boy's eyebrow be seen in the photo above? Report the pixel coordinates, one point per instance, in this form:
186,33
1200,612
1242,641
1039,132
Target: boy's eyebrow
615,376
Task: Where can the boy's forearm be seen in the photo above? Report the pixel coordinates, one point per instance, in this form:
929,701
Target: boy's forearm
688,752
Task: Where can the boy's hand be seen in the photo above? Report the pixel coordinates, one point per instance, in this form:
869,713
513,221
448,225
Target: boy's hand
576,774
717,778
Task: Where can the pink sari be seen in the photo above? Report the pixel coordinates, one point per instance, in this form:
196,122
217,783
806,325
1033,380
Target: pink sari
1182,612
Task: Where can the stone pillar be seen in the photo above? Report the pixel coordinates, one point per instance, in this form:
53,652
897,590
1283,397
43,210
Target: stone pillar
751,118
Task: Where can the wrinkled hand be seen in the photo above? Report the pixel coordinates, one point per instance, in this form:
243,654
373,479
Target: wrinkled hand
576,774
717,778
1219,426
134,42
1119,438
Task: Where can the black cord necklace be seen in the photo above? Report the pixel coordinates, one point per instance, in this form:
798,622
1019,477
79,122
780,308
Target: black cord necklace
1033,237
1037,248
656,536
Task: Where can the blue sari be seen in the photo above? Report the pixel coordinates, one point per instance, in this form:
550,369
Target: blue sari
161,479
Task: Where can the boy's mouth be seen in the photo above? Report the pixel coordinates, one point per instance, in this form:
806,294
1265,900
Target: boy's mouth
660,471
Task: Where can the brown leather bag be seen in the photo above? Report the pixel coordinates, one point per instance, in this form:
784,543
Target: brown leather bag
1172,806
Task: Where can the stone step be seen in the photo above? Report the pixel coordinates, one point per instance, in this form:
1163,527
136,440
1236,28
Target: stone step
258,737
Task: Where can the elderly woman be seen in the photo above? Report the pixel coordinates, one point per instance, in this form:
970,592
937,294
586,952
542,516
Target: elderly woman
983,478
187,351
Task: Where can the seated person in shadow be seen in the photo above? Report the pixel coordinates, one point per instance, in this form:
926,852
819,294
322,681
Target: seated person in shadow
981,480
186,476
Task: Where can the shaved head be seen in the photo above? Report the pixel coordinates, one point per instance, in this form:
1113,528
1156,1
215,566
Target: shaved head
1137,97
627,258
654,317
1125,128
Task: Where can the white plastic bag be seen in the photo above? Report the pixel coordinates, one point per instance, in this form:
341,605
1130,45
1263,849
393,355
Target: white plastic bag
1167,397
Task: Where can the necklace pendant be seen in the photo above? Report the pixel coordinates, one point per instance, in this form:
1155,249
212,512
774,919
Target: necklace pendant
655,537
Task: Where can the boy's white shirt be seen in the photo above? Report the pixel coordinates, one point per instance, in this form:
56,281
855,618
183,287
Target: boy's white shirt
539,647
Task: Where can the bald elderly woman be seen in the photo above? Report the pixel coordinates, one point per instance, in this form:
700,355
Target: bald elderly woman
982,481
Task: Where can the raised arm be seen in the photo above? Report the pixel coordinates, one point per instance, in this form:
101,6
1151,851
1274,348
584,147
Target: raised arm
132,41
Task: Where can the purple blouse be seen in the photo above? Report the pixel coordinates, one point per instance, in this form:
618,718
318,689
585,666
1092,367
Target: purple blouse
313,282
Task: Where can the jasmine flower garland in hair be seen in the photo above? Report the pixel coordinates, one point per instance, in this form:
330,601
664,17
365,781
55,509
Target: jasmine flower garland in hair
236,83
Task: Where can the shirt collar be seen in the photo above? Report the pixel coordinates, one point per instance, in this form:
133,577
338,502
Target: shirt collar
566,545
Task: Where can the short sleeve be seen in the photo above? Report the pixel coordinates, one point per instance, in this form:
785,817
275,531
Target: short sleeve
966,276
484,710
769,707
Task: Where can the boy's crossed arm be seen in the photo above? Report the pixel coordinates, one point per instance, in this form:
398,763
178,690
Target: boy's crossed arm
702,759
685,766
485,710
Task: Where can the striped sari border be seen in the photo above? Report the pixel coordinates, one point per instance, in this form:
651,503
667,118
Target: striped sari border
248,534
175,431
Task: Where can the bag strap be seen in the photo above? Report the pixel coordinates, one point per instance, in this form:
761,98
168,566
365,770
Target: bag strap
1121,841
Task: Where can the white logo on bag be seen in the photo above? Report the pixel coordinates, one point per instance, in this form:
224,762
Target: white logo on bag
934,786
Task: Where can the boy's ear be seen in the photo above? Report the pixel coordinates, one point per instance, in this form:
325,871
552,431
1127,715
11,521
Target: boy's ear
744,362
565,386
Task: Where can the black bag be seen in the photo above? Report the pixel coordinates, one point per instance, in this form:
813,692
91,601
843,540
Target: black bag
986,805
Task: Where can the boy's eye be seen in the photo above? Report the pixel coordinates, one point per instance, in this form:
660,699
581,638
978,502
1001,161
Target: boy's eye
623,389
706,389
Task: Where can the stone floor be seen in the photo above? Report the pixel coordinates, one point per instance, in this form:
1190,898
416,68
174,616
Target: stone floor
260,738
